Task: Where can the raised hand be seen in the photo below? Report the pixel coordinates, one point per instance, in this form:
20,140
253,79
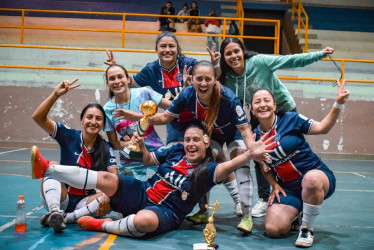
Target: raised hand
328,50
110,60
259,149
187,78
65,86
343,94
136,139
214,55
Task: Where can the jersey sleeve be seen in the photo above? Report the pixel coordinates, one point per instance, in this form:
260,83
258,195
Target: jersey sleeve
212,173
153,95
142,78
111,157
180,102
161,154
289,61
302,123
237,111
63,134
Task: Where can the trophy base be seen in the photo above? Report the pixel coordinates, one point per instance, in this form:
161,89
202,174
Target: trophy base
204,246
132,155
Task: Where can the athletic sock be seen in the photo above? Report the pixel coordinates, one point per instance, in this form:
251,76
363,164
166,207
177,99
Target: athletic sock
123,227
245,186
232,187
52,193
75,176
310,213
89,209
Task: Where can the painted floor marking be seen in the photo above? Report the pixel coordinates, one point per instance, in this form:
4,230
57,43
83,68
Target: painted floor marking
15,150
108,242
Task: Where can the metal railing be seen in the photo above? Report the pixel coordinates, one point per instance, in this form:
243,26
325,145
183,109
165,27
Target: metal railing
125,31
302,19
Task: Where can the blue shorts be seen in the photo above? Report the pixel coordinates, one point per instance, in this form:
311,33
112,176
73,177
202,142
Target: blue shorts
131,197
175,132
75,199
293,190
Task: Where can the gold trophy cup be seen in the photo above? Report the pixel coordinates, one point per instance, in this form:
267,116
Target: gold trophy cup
133,152
210,231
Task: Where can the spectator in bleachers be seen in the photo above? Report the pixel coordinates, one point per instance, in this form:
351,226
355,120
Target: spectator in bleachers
194,11
213,26
167,23
183,12
233,28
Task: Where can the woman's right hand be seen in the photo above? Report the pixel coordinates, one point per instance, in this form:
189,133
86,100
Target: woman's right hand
64,87
136,139
110,60
214,55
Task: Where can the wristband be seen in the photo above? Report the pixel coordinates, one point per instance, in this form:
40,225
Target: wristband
338,106
216,66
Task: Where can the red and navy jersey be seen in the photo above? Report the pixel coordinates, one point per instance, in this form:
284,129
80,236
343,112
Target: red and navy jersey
292,157
231,114
75,153
161,80
172,179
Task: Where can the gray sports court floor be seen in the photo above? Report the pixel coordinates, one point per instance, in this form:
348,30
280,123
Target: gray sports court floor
345,222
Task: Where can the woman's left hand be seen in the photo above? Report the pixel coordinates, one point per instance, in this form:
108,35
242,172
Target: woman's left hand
259,149
104,206
124,114
343,94
275,194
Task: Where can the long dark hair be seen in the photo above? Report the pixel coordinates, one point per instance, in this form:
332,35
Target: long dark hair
111,94
199,177
169,34
215,99
225,68
99,162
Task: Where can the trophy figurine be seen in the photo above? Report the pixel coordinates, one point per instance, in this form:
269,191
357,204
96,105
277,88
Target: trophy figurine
133,152
210,231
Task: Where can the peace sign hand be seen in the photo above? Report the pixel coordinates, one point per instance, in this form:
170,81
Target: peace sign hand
214,55
65,86
187,78
343,94
110,60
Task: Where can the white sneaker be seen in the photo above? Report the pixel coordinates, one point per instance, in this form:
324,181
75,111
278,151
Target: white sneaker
305,238
238,209
259,210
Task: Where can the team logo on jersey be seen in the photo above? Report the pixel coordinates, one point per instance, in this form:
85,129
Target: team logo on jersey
239,110
179,77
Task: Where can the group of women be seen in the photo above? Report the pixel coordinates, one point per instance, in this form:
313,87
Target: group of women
203,104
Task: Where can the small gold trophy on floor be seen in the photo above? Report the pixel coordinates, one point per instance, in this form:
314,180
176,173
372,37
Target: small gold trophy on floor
133,152
210,231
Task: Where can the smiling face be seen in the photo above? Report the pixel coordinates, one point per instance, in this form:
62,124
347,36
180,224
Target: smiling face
117,81
167,51
194,145
203,80
92,121
263,105
234,57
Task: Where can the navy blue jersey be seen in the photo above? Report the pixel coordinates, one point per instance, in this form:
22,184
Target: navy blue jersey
172,179
231,114
75,153
161,80
292,157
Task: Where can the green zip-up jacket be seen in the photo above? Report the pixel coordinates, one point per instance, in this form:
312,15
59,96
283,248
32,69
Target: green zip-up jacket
260,73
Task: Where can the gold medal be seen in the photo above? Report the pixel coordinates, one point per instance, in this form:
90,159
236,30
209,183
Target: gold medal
184,195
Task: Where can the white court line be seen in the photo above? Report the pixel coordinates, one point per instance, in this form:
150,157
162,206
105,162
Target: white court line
39,242
9,224
364,176
13,151
352,190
